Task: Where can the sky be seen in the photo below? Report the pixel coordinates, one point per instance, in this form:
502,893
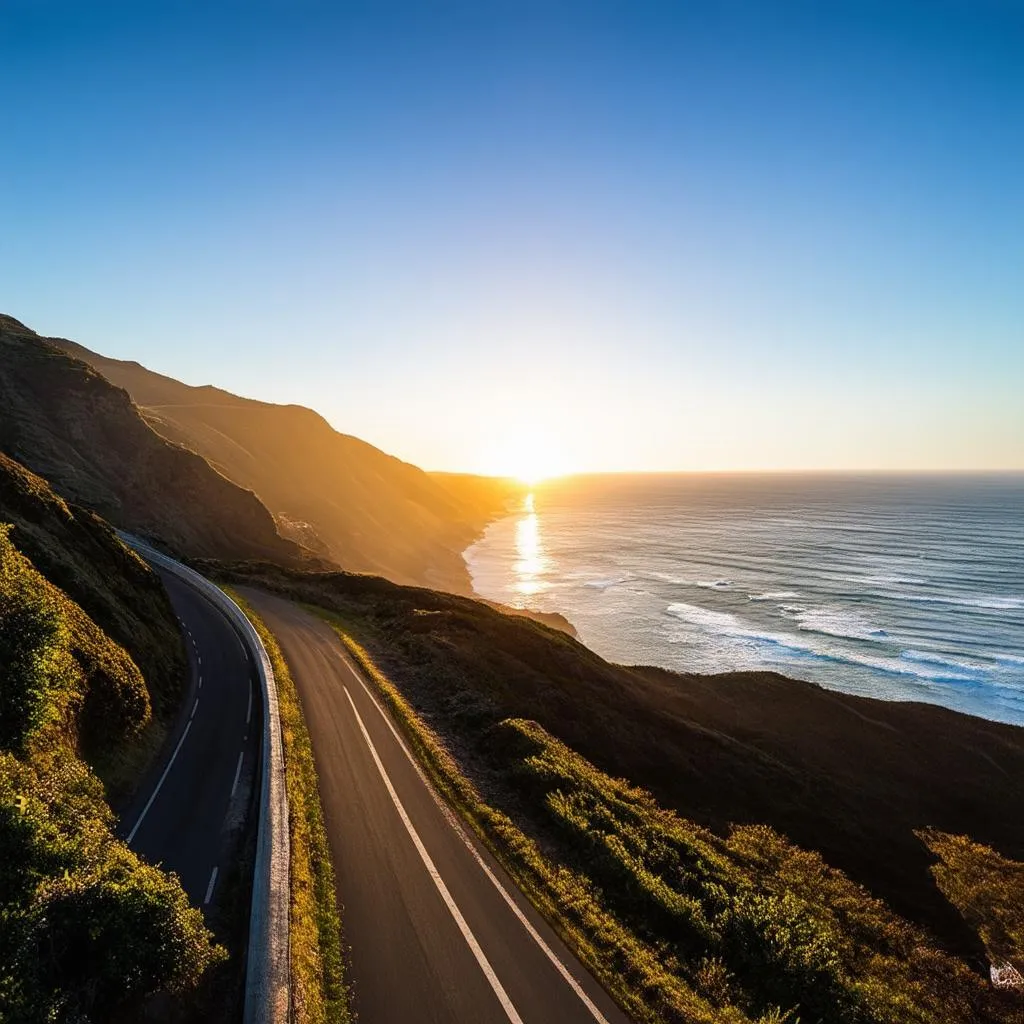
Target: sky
537,237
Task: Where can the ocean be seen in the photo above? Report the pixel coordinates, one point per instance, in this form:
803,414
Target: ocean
897,587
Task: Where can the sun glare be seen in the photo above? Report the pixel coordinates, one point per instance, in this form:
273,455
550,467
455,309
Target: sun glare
525,455
531,561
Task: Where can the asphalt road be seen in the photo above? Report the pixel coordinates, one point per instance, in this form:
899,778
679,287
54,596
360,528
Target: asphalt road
191,808
438,932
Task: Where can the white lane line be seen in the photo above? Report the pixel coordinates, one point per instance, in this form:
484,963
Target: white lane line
200,682
248,710
467,934
194,706
238,771
209,888
200,658
152,797
457,825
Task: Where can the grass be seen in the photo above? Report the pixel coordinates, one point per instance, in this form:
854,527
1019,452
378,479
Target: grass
987,888
319,991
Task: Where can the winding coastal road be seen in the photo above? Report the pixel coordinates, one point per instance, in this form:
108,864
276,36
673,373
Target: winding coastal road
438,932
189,810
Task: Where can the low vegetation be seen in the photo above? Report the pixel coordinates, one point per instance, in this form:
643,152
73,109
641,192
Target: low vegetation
86,928
987,889
319,992
81,555
685,915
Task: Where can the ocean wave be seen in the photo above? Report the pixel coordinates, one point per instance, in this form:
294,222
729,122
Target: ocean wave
928,658
689,581
773,595
988,601
1008,659
728,625
885,579
606,583
838,622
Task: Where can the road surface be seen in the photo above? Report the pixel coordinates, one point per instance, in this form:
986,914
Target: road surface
438,933
189,811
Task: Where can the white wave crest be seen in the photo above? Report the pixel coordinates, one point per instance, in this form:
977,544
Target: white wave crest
725,624
838,622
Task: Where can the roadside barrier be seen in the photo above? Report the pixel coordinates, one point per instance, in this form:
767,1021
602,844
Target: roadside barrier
267,974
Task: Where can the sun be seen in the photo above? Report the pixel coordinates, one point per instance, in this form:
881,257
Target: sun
526,455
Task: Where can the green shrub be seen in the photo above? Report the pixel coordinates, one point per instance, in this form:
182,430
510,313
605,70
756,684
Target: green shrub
33,650
85,926
988,889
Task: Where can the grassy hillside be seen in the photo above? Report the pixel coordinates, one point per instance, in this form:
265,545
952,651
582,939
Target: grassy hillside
110,588
66,422
87,928
847,777
352,503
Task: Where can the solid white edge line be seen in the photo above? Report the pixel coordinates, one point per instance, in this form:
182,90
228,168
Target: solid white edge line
467,934
238,771
194,706
248,710
209,888
505,895
152,796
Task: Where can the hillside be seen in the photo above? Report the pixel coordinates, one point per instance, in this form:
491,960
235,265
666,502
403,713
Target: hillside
849,777
79,552
352,503
89,649
66,422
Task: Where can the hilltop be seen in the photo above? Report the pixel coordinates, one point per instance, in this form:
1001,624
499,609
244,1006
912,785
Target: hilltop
352,503
65,421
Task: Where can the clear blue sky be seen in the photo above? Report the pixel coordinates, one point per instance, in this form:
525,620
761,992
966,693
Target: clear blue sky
533,236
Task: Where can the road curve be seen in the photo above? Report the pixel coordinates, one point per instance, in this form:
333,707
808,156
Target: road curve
438,933
189,810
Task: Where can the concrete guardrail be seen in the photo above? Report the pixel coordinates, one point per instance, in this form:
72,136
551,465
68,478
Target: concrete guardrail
267,975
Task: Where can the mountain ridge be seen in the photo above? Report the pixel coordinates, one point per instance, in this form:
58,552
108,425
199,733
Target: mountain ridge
68,423
362,508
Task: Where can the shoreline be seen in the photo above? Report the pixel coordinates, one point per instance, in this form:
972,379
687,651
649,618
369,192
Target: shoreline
557,619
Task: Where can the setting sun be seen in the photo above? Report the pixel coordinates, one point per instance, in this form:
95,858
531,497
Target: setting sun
528,456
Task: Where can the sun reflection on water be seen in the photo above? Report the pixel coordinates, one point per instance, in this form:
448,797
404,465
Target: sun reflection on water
531,561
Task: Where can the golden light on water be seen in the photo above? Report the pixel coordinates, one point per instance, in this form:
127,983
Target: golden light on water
530,562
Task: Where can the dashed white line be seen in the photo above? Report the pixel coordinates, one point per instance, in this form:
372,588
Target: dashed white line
200,682
209,888
149,802
453,909
553,957
238,771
